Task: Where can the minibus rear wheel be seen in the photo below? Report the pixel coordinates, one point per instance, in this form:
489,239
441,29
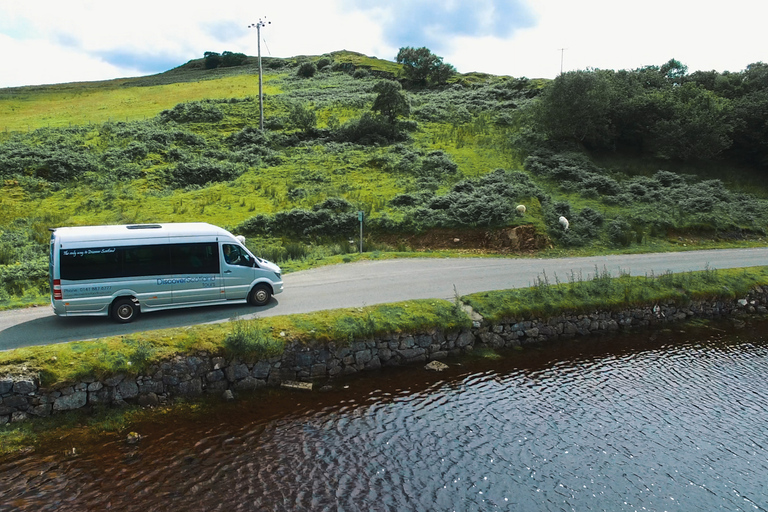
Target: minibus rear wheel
125,310
259,295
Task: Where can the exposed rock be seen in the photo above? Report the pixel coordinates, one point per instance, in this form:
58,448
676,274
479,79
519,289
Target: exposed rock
24,386
303,386
148,400
6,385
128,389
69,402
436,366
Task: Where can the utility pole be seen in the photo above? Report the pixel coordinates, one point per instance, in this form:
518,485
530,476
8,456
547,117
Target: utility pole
562,52
261,95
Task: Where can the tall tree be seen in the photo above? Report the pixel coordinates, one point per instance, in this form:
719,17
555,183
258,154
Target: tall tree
391,101
577,106
422,66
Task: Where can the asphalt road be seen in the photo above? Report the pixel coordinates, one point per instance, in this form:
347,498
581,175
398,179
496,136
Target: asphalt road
372,282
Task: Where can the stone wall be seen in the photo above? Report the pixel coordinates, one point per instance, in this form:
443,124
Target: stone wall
203,373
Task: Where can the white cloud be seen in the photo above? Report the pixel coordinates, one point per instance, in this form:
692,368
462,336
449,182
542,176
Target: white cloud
36,62
49,41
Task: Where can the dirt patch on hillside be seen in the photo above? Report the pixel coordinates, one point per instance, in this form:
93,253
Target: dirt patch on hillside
520,239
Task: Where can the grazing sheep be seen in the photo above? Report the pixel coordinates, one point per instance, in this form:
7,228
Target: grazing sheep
563,222
520,209
241,239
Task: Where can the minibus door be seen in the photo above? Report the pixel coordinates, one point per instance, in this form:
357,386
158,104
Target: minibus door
196,275
237,270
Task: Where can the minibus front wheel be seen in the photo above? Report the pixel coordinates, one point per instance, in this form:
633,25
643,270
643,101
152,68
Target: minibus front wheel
125,310
259,295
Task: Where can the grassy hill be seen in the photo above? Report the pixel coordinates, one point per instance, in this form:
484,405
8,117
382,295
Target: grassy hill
184,146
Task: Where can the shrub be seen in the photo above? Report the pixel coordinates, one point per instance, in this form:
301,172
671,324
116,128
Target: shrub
561,208
307,70
369,130
249,136
203,171
193,112
409,199
361,73
256,225
301,117
25,277
334,204
324,61
438,165
620,232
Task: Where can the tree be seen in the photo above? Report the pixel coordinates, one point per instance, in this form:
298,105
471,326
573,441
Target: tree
695,124
420,65
577,106
212,60
391,101
229,59
442,72
674,70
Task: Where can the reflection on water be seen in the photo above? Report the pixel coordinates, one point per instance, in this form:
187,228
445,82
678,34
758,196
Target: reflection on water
675,422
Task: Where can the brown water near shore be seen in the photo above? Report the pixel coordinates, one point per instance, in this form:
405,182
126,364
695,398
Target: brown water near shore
663,420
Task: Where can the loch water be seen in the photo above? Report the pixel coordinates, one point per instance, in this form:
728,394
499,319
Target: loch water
673,419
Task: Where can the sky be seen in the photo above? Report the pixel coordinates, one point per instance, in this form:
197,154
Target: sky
58,41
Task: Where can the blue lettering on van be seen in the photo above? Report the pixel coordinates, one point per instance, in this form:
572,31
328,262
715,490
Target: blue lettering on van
87,290
205,281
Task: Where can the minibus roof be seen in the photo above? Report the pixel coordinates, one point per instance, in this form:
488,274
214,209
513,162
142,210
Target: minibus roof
137,231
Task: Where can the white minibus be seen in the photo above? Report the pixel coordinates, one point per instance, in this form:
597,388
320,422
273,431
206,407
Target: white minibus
119,271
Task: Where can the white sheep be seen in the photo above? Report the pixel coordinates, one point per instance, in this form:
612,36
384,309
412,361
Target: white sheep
241,239
520,209
563,222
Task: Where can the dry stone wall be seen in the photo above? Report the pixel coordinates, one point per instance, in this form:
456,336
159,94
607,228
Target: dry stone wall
22,397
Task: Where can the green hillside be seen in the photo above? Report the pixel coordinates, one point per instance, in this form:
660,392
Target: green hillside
438,163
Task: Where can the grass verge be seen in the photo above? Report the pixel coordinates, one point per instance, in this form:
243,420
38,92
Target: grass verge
248,339
611,293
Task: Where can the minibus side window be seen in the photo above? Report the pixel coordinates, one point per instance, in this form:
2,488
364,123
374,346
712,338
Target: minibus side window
90,263
234,255
200,258
145,260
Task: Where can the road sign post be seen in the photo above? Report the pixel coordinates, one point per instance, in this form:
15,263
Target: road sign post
360,218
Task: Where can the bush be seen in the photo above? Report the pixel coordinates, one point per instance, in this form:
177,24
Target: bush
409,199
193,112
369,130
324,61
301,117
203,171
28,277
620,233
334,204
438,165
488,201
307,70
331,219
249,136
